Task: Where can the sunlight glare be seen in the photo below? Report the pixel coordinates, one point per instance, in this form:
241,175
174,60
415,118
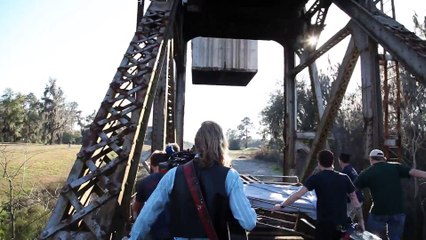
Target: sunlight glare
312,40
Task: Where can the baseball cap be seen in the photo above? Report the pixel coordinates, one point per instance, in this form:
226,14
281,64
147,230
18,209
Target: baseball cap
377,153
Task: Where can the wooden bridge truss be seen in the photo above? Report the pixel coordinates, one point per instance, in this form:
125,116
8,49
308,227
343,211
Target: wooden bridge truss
94,203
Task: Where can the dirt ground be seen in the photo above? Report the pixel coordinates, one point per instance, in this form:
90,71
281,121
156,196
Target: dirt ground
247,165
244,164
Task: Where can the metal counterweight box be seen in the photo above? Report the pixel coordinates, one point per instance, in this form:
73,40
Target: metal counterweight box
221,61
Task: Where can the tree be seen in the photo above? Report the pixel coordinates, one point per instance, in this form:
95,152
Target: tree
414,110
414,107
307,113
234,141
419,28
72,118
244,130
54,113
12,114
413,136
26,118
273,121
347,128
33,120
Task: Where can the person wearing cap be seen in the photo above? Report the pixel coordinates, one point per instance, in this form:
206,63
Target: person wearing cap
383,180
144,189
332,189
348,169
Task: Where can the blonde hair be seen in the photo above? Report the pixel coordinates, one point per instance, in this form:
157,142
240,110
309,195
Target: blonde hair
211,144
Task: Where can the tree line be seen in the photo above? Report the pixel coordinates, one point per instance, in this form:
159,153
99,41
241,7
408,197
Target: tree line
50,119
241,137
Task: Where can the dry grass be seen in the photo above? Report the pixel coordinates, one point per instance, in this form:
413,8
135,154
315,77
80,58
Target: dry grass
37,164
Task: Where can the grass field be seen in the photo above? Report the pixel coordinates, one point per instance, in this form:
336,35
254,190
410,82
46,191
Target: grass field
32,165
35,165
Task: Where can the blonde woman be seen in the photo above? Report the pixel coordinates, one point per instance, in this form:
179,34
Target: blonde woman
221,187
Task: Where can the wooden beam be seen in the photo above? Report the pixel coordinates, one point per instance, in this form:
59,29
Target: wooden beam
158,135
290,124
371,90
180,91
404,45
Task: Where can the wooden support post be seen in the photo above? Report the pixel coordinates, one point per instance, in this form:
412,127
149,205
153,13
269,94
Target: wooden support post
158,136
371,90
290,113
180,92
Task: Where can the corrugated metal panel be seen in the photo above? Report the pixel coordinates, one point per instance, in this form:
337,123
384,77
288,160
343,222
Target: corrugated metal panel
220,61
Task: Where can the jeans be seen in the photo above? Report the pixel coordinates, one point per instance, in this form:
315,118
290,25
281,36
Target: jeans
395,225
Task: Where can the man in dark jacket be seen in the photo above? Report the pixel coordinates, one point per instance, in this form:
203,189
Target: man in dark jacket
332,189
144,188
383,180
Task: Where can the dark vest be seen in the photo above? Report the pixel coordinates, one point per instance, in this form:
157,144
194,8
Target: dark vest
185,221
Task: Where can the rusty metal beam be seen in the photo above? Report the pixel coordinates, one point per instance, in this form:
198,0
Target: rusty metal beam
404,45
333,41
336,96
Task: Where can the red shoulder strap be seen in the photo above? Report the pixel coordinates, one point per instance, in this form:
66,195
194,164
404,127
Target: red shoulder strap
197,196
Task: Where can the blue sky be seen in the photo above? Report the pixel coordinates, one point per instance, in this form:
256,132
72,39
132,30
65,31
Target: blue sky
81,43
